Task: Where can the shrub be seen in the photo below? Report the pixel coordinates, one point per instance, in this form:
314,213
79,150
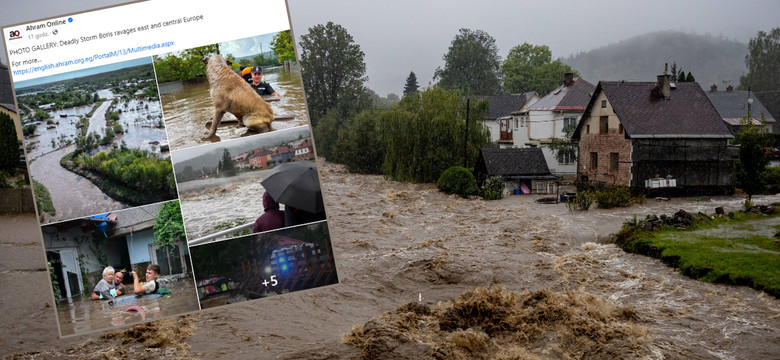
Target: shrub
493,189
582,201
457,180
614,196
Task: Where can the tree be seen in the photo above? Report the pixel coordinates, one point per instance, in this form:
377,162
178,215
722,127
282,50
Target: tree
674,70
425,134
763,62
681,77
411,84
750,171
227,166
690,78
565,147
333,71
185,65
531,68
9,144
282,43
168,225
471,64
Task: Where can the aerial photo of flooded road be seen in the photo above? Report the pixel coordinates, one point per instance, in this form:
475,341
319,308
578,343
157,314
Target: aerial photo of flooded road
90,113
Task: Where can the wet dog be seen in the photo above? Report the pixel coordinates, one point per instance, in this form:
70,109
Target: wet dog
230,93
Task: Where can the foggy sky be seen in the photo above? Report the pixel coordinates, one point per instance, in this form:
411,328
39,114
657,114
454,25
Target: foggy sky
400,36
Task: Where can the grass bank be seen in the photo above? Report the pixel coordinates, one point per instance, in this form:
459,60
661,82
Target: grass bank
43,199
739,249
118,191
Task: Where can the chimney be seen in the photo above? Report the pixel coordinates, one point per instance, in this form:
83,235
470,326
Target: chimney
714,88
729,88
568,78
664,83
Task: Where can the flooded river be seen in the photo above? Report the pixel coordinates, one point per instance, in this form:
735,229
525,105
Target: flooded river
187,108
207,203
72,194
396,243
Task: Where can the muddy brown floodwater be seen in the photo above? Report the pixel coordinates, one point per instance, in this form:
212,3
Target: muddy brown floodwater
83,315
398,243
187,108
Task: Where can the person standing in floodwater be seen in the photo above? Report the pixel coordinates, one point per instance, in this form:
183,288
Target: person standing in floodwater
105,289
152,273
118,278
259,86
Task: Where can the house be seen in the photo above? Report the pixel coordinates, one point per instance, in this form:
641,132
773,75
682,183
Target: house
240,160
304,151
282,154
499,119
79,249
260,158
516,166
545,120
635,132
733,106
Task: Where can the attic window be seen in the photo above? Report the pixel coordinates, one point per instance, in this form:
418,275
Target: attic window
603,104
620,128
603,125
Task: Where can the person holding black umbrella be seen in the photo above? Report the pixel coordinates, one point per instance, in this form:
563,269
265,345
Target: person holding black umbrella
297,186
272,217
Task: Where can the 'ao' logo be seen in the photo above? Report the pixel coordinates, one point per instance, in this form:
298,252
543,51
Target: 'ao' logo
14,34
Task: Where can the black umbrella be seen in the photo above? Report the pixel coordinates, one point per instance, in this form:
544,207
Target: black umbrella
296,184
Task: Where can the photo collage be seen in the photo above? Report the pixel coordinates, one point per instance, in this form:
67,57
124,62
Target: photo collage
176,182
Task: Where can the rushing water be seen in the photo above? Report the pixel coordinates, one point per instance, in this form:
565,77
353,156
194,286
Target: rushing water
82,315
187,108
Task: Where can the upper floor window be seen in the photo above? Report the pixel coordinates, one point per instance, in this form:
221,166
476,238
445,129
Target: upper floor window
614,161
603,103
604,125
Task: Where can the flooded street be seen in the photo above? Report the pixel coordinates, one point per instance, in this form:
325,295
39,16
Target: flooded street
72,194
80,315
205,204
187,108
397,243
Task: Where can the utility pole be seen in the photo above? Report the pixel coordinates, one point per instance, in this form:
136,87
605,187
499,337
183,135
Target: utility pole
466,140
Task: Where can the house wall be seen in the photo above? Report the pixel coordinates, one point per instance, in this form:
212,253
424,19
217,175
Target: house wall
604,145
138,245
699,163
543,126
492,126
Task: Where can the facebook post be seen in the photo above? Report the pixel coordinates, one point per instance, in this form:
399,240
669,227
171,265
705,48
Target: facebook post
171,160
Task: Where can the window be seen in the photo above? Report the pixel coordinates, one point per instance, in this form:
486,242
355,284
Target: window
604,125
603,103
594,161
587,129
614,160
569,121
620,128
565,157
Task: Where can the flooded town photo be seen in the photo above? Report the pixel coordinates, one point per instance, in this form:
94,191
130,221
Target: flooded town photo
581,184
221,185
99,265
185,91
92,137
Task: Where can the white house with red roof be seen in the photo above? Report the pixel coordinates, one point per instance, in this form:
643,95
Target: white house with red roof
545,120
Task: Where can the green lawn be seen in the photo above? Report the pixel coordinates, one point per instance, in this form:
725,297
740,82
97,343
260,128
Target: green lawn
733,251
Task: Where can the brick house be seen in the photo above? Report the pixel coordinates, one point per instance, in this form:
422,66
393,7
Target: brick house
544,120
632,132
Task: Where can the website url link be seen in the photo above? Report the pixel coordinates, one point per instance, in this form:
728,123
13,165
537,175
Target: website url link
92,58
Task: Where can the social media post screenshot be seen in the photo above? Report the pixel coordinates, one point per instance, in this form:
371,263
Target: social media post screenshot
153,127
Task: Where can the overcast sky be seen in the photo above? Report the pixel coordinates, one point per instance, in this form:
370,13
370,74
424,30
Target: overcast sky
400,36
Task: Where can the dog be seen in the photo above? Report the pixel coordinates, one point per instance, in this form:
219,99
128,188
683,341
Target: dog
230,93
